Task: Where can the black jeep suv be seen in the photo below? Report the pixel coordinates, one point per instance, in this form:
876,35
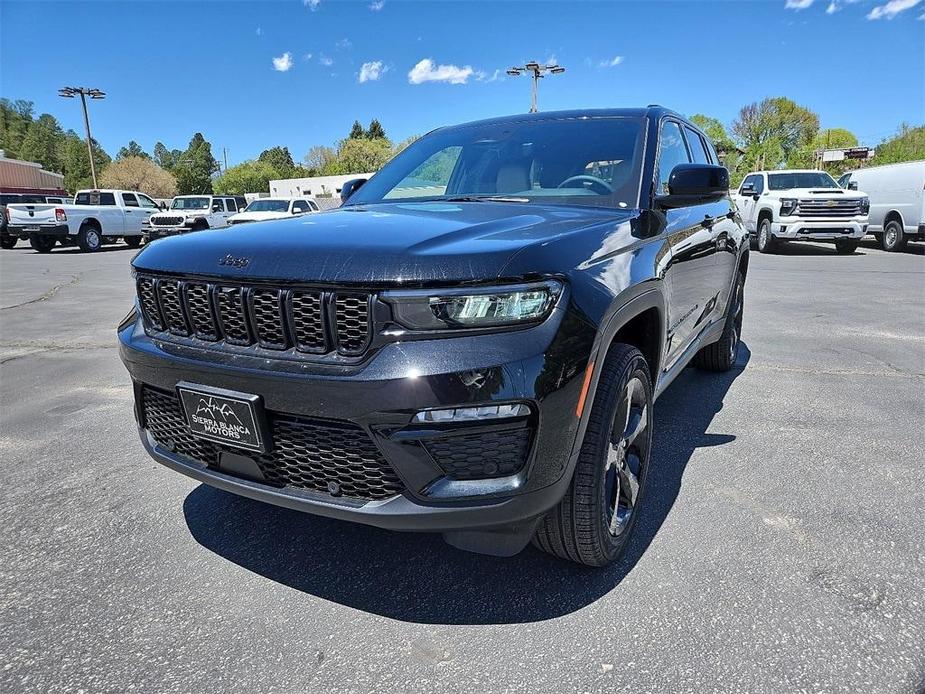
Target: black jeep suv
472,344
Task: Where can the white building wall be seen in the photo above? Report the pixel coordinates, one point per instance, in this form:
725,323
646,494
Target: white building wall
315,186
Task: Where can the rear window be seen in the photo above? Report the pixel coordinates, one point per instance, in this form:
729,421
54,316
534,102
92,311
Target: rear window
93,198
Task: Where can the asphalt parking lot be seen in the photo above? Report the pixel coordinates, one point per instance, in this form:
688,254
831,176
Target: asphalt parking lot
782,548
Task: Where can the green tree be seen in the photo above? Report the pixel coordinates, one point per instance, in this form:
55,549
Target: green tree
166,158
15,118
247,177
830,138
43,142
770,130
404,143
375,131
133,149
907,145
280,159
76,164
356,132
321,161
363,156
195,167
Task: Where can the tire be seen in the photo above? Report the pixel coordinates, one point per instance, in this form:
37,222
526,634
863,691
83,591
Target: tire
593,522
8,242
43,244
200,226
845,246
132,241
766,241
893,237
89,239
721,355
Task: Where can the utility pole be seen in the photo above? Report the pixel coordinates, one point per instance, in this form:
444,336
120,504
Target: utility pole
93,93
225,157
537,71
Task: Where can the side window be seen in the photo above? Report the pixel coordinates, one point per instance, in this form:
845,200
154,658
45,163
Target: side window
671,152
232,204
300,206
313,205
759,183
129,200
146,201
218,205
107,199
697,149
749,181
843,181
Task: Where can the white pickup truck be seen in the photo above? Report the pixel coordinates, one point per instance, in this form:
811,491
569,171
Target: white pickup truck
801,205
94,218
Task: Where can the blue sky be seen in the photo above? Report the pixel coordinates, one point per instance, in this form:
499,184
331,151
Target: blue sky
251,75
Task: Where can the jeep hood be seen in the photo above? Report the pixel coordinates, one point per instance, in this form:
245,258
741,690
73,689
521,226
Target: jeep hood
377,244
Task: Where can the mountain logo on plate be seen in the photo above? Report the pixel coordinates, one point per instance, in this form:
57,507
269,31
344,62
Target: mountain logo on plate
219,419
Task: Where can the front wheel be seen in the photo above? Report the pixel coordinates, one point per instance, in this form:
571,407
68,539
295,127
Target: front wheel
8,242
43,244
132,241
593,522
845,246
766,241
893,237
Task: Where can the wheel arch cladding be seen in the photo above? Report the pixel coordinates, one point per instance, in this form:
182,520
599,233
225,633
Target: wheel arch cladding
643,331
894,215
91,222
765,213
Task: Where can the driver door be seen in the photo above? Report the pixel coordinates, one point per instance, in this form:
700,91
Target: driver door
747,200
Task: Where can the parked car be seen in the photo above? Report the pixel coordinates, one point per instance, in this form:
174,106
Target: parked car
94,218
801,205
478,357
263,209
8,241
192,213
897,201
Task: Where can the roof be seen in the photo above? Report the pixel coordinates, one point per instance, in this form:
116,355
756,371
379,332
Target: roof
653,111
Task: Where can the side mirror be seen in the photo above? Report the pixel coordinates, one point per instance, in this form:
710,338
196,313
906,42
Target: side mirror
163,206
694,184
297,210
852,185
747,190
350,187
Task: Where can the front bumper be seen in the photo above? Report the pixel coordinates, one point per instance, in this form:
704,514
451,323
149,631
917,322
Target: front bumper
796,229
24,231
381,396
152,233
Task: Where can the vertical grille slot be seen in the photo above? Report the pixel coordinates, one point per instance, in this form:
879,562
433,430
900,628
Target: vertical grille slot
172,307
268,318
230,304
199,307
352,322
147,299
306,317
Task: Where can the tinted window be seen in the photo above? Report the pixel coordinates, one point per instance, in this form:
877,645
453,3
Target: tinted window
218,205
569,161
808,179
698,151
231,204
671,153
88,198
146,201
313,205
301,204
129,200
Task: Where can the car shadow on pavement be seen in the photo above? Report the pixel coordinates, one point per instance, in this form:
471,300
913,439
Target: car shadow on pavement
417,577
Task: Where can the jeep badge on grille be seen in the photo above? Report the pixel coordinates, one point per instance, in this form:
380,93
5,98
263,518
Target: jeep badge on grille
232,261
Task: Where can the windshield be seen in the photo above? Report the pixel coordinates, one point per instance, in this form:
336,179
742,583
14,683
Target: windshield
809,179
190,204
268,206
587,161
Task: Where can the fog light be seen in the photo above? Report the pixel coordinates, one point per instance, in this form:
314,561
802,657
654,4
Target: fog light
470,414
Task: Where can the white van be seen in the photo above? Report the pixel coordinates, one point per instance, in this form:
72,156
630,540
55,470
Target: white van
897,201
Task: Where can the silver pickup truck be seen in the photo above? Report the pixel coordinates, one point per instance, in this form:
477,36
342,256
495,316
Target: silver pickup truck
94,218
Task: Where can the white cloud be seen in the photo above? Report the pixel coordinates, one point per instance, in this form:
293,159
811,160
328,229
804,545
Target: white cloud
312,4
892,8
798,4
377,5
325,60
371,71
482,76
832,8
344,45
307,56
259,31
427,71
283,63
613,62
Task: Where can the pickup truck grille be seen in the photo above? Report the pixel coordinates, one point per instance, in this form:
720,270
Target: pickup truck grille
302,320
166,221
828,208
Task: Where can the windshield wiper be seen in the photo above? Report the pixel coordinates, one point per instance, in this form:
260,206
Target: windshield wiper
482,198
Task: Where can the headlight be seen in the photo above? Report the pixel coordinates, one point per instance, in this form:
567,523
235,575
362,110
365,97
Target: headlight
865,205
473,308
788,205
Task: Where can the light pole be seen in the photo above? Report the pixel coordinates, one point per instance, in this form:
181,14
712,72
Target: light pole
70,93
537,71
